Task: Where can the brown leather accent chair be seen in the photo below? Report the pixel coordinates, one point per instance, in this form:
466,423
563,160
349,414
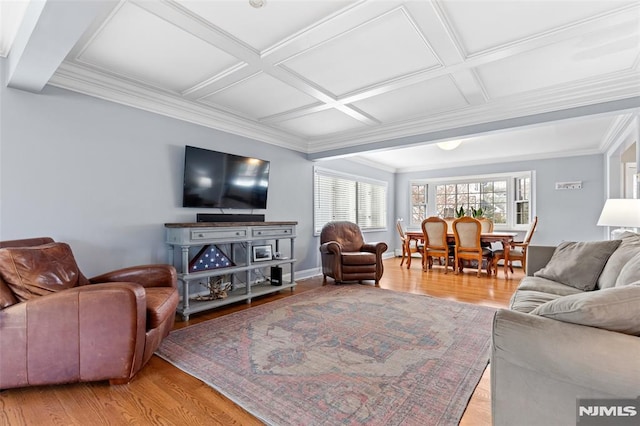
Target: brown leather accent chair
345,255
57,326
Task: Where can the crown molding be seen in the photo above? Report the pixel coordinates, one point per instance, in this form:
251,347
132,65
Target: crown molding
476,162
623,127
371,163
84,79
502,160
93,83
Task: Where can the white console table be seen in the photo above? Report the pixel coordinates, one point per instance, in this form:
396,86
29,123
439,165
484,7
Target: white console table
237,237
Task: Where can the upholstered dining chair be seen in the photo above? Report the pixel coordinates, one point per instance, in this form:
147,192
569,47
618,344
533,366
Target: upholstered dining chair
486,225
467,231
408,248
517,250
449,221
346,256
434,231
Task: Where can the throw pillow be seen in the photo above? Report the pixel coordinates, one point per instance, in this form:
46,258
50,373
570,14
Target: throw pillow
35,271
630,272
578,264
614,309
629,247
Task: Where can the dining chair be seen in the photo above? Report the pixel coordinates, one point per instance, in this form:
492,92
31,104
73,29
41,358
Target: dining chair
466,231
517,250
434,231
407,248
449,221
486,225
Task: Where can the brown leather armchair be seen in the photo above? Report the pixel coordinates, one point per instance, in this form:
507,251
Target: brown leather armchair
345,255
56,326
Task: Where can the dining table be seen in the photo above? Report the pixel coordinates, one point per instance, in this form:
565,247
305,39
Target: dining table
506,238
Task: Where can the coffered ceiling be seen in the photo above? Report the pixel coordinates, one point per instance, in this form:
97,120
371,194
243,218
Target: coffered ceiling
342,77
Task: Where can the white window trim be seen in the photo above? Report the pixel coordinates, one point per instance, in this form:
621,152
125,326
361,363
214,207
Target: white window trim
356,178
510,178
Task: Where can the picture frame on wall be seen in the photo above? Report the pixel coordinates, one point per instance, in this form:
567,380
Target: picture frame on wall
262,253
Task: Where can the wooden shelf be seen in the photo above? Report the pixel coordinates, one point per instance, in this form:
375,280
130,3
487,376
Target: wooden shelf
234,296
237,235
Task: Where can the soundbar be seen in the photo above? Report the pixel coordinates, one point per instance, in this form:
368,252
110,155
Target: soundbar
219,217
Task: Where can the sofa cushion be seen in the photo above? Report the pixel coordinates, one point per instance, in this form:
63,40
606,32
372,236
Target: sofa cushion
32,272
546,286
358,258
614,309
630,273
526,301
629,247
578,264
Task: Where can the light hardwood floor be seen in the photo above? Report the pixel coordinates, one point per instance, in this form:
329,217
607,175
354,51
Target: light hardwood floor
161,394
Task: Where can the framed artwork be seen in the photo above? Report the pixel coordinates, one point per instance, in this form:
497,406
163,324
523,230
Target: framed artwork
262,253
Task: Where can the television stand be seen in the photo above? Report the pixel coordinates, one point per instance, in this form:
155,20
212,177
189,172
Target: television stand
237,240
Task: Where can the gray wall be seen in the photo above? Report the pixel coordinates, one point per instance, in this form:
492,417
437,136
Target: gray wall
563,215
105,177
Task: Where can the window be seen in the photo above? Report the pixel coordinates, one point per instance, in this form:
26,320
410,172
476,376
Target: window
371,206
419,192
522,196
340,196
490,196
503,198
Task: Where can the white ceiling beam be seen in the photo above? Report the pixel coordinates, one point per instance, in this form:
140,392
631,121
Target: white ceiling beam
622,105
48,32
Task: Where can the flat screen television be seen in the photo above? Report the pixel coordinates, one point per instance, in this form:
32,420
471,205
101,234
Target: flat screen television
220,180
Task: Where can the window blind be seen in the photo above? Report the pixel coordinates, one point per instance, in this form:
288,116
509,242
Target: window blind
350,198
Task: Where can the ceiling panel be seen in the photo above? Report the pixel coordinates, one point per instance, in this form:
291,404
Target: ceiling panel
264,27
482,25
330,78
260,96
321,123
418,100
590,55
366,55
139,45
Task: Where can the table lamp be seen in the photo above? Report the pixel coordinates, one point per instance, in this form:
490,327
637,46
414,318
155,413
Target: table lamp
620,212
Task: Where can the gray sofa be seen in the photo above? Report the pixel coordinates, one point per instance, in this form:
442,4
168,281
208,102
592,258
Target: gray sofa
572,332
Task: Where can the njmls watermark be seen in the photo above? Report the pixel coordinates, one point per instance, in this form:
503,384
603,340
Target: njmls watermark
605,412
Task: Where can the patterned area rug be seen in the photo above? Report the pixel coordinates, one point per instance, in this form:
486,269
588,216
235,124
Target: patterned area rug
342,355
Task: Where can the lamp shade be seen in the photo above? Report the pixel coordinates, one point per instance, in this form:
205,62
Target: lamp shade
624,212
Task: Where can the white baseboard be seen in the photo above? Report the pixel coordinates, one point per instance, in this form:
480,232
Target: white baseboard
308,273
